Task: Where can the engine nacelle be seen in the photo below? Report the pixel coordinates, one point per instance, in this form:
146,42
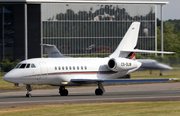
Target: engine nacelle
122,64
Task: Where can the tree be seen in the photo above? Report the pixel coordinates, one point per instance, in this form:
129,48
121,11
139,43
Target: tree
171,40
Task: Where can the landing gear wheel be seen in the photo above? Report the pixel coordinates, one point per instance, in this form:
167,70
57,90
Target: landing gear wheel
28,95
98,91
63,91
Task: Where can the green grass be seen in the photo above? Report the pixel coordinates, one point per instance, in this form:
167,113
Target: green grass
175,73
99,109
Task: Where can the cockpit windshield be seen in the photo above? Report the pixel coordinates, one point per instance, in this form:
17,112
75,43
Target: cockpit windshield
28,65
24,65
18,65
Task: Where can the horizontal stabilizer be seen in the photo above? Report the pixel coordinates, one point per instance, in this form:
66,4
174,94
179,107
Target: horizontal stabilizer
119,80
146,51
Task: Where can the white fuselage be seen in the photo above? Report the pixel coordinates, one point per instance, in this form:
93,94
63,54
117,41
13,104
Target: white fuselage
54,71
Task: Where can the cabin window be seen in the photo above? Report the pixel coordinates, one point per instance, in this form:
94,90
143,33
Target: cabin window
28,65
70,68
81,67
23,66
63,68
18,65
85,68
55,68
77,67
59,68
66,68
73,67
33,66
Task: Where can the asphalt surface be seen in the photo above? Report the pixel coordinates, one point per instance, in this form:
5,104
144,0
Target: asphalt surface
83,95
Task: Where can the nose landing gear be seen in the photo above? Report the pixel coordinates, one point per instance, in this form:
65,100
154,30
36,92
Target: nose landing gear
28,87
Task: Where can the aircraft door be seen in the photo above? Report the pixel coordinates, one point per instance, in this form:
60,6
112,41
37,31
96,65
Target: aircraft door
44,71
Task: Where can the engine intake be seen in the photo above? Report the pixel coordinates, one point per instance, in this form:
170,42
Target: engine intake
111,63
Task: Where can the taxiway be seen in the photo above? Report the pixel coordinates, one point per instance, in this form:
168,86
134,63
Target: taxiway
77,95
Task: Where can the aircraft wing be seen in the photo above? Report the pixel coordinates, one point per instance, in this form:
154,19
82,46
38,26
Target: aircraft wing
86,80
118,80
150,64
135,80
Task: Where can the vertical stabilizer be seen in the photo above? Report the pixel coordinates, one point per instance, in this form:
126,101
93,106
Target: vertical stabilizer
128,42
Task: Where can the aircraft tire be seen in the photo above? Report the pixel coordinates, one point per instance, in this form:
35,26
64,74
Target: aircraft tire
28,95
98,92
64,92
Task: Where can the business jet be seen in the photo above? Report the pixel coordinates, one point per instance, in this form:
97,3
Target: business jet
67,71
146,64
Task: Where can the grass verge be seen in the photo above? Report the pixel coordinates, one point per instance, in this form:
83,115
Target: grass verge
99,109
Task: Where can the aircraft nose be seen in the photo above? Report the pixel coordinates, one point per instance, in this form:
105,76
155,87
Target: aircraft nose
8,77
12,76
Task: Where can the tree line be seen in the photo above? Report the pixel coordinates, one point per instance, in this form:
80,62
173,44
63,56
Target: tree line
171,36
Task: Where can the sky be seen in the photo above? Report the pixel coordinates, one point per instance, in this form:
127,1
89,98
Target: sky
170,11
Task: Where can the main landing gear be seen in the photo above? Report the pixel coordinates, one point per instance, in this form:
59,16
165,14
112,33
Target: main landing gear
100,90
28,87
63,91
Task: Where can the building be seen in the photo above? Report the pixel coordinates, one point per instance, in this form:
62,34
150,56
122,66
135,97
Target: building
77,28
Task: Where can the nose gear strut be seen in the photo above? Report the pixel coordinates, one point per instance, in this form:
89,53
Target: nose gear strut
28,87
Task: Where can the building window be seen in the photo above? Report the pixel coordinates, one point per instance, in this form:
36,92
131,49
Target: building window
96,28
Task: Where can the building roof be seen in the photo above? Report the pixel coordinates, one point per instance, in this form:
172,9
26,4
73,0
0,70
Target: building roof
79,1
